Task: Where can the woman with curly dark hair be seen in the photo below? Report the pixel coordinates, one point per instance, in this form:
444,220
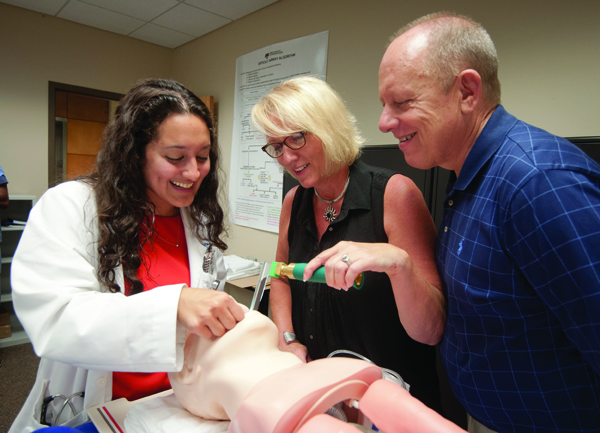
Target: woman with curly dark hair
107,276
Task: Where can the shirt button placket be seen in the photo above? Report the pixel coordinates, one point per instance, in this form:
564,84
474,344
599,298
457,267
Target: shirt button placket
450,203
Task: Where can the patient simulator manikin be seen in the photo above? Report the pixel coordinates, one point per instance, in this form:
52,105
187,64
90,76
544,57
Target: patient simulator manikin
244,377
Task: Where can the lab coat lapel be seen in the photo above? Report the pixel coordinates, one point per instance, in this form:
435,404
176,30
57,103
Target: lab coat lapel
195,249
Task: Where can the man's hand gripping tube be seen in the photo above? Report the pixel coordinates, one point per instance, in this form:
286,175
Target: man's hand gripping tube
295,271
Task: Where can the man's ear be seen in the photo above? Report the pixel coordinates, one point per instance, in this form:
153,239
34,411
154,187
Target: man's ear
471,89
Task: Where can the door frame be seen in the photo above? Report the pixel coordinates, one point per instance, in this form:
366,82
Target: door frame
53,87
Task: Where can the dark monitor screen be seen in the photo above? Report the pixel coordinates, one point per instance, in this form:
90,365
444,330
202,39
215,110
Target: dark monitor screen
385,156
590,145
432,183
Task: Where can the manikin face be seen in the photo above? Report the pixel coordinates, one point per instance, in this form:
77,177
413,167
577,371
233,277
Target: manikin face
244,377
218,374
176,162
420,114
306,164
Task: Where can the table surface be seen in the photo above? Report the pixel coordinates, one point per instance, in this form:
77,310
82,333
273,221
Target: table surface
248,282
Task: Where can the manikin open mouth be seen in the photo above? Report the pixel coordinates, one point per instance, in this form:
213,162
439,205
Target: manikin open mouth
408,137
182,185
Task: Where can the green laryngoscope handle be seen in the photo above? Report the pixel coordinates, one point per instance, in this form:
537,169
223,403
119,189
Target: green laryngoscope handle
319,275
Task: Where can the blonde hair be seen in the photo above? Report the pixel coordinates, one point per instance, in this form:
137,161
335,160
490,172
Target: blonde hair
309,104
456,43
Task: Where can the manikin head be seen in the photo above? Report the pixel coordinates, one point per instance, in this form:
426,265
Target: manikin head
219,373
243,377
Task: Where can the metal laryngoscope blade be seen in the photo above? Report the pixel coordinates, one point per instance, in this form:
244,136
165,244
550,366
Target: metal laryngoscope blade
260,285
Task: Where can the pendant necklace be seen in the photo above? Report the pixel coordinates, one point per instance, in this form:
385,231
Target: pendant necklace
330,214
176,244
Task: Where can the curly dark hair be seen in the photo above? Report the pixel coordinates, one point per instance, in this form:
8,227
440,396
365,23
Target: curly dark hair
118,179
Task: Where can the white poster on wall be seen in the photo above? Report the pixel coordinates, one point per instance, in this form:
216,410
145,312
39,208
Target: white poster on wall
256,180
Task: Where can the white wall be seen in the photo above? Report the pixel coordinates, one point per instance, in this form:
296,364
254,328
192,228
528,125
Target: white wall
549,55
36,49
549,62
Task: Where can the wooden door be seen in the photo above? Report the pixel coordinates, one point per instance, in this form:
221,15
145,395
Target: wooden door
86,119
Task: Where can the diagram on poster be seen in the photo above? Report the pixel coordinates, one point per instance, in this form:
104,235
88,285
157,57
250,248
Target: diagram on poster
255,186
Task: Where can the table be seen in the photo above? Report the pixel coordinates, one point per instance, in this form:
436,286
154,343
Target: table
242,290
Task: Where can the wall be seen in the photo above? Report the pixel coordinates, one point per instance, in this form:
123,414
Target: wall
36,49
548,51
549,63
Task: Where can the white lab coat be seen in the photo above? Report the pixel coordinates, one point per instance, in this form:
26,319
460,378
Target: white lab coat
82,332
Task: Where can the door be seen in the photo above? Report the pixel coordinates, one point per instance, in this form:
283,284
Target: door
76,118
84,119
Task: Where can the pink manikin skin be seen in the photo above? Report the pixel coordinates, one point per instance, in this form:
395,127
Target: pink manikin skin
284,401
276,390
219,373
392,409
244,377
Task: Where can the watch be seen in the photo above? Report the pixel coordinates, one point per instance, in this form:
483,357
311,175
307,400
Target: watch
289,337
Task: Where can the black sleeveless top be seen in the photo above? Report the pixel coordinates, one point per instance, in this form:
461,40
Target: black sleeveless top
364,321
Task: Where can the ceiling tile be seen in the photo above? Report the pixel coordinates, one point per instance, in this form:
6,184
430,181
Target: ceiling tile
175,21
84,13
50,7
232,9
145,10
161,36
190,20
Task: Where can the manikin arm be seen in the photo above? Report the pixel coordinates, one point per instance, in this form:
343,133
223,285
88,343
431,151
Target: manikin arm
391,409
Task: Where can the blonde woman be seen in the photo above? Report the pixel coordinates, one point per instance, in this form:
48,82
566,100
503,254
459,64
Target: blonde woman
313,136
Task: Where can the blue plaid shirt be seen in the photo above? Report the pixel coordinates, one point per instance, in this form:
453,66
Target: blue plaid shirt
519,255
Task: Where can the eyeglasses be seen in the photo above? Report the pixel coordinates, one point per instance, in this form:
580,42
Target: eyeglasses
295,141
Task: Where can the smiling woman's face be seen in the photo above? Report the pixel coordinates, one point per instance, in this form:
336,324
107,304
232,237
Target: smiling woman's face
307,164
176,162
